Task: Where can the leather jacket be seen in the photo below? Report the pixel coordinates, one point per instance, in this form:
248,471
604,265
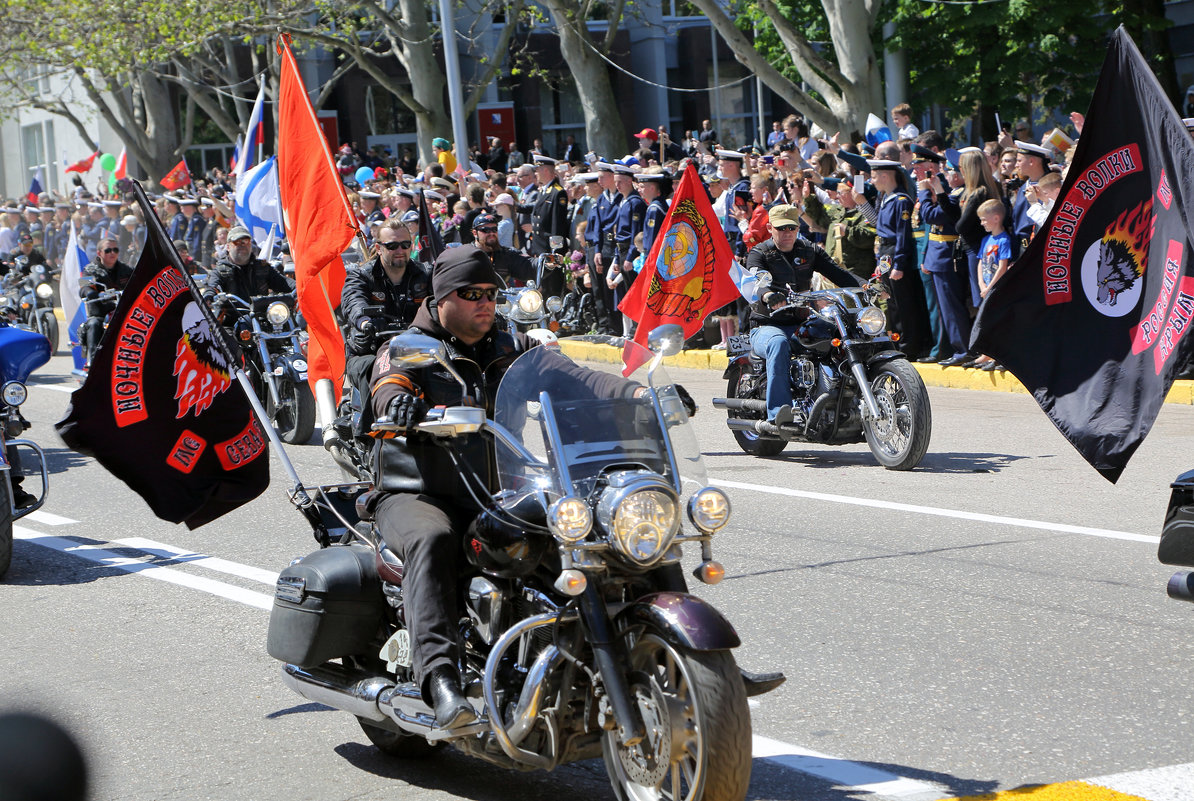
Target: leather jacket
794,270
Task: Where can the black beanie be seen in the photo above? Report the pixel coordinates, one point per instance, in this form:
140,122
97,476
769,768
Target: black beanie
460,267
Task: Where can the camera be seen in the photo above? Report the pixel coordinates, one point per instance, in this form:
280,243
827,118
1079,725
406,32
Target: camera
787,145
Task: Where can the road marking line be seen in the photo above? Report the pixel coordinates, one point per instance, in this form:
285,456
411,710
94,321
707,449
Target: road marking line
54,387
1063,528
1170,783
845,775
48,518
93,553
165,551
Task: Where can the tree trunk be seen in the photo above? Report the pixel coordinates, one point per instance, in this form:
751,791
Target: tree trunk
427,81
604,131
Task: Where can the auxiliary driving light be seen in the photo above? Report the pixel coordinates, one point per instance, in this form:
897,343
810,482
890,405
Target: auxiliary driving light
709,509
15,393
569,519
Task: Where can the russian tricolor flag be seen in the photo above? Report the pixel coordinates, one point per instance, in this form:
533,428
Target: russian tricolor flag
35,187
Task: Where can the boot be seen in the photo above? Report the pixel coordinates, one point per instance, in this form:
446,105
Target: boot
452,709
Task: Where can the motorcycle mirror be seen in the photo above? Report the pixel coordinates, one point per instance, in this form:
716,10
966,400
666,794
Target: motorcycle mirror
667,340
415,350
556,242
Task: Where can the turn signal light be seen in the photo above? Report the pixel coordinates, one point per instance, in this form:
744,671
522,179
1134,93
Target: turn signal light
895,336
571,582
710,572
837,343
245,336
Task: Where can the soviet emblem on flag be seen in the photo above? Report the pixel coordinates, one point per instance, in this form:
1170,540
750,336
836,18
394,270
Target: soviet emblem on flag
683,276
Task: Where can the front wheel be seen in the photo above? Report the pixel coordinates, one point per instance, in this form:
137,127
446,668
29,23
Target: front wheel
698,743
750,441
5,524
49,327
294,417
899,437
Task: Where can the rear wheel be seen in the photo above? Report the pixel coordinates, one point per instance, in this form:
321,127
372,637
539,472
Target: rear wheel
749,441
294,417
5,525
395,744
698,743
899,437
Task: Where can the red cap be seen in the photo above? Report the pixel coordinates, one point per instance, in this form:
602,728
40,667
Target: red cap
647,133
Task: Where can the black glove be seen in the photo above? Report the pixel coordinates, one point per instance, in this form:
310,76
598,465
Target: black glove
689,404
407,410
361,342
365,325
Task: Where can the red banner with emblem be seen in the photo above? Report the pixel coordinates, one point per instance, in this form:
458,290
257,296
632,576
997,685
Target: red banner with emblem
177,177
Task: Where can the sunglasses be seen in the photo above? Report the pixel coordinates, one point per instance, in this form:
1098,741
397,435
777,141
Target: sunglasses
405,245
474,294
110,250
488,229
786,228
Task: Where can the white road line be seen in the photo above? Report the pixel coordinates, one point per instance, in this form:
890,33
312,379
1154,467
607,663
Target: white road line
844,775
203,560
1172,783
46,518
105,558
54,387
1063,528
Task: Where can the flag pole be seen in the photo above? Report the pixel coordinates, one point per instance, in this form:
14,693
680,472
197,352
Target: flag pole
298,495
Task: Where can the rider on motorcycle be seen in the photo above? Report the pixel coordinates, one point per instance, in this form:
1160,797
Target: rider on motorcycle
390,280
791,260
242,275
25,247
106,272
514,268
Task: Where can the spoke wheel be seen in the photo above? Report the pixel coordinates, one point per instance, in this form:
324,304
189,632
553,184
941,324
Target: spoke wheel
899,437
694,711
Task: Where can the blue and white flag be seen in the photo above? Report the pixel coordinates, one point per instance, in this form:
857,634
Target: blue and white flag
745,280
258,206
73,262
876,131
246,155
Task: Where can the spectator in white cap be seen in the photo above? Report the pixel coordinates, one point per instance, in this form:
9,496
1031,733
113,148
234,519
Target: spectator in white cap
503,208
1032,162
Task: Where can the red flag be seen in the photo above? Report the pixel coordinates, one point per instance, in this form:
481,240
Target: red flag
319,222
83,165
179,176
686,276
122,165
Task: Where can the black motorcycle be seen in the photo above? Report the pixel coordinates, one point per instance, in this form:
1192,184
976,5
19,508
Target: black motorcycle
37,303
571,648
274,346
849,383
1177,537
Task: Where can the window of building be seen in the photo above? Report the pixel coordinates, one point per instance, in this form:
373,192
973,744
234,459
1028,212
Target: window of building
37,152
562,116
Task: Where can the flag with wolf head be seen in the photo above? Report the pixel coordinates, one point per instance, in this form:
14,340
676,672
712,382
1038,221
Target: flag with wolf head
1093,317
160,408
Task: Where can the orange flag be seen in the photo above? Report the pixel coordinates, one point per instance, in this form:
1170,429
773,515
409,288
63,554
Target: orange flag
686,276
319,222
179,176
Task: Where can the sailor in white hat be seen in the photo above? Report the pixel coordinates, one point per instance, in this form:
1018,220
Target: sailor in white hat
1032,162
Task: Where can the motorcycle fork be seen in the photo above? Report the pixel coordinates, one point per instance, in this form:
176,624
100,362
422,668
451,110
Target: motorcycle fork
267,369
608,653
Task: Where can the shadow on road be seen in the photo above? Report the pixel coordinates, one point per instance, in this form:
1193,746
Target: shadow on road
59,460
939,463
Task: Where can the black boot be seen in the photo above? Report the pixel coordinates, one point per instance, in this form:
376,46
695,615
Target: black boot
759,683
452,709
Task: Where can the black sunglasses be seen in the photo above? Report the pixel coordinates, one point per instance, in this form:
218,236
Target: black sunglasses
405,244
786,227
474,294
488,229
110,250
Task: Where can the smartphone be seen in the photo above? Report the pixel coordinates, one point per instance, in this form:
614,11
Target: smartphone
859,184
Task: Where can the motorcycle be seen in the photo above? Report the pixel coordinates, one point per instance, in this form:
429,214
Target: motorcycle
102,305
274,345
524,308
574,645
37,303
21,352
849,383
1177,537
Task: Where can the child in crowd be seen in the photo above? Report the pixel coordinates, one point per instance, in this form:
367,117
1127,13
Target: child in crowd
1041,197
993,258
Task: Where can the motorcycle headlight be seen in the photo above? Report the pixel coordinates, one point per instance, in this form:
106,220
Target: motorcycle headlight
871,320
569,519
277,313
530,302
15,393
554,304
641,519
44,291
709,510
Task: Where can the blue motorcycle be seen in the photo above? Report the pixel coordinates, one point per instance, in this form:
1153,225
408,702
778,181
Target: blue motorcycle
21,352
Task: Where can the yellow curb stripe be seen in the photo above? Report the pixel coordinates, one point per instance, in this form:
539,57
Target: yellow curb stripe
1065,791
1182,392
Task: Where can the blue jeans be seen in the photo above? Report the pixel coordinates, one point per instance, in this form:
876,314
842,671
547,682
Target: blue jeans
772,343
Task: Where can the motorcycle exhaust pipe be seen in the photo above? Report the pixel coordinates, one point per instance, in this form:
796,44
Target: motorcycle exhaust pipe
736,424
1181,586
336,687
741,404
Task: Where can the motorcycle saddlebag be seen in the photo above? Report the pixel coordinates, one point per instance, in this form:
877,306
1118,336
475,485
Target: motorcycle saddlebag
1177,536
327,605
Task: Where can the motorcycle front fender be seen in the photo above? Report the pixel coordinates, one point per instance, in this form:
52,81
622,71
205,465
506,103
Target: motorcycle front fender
294,367
885,356
684,620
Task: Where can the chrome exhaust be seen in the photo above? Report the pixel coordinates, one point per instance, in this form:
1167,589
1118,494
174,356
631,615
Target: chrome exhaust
355,694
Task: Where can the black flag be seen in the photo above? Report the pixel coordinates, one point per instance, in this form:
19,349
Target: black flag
1092,317
431,244
160,409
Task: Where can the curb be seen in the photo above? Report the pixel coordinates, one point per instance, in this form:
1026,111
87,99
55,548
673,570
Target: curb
934,375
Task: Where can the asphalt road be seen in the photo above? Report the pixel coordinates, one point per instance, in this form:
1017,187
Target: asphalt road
993,619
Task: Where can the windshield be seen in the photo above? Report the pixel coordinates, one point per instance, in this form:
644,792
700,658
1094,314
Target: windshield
589,423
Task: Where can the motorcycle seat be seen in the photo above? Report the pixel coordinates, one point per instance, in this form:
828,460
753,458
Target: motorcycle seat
389,566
